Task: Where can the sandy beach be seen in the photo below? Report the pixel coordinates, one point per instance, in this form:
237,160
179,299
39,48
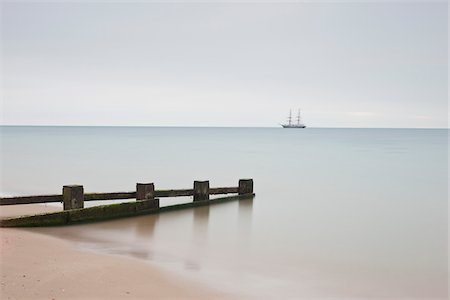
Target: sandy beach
26,209
36,266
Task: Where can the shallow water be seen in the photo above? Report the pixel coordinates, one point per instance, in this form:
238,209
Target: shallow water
338,213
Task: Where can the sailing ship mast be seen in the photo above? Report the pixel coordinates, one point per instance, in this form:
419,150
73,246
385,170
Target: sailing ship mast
298,118
290,124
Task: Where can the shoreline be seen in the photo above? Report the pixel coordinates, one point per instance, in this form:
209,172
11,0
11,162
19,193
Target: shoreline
38,266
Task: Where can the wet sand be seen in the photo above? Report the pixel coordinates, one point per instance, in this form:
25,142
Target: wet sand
36,266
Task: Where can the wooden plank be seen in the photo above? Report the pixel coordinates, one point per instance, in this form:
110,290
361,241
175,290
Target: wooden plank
103,212
112,196
158,193
205,202
174,193
30,199
190,192
109,196
223,190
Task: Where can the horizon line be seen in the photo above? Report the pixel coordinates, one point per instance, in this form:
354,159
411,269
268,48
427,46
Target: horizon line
181,126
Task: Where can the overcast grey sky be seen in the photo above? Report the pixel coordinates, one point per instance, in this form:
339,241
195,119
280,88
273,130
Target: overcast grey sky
345,63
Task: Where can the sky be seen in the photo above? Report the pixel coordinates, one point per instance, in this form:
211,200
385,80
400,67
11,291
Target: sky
212,63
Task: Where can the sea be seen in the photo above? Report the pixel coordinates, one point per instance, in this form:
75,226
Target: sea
338,213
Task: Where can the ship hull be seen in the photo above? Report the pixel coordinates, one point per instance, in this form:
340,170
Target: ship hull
293,126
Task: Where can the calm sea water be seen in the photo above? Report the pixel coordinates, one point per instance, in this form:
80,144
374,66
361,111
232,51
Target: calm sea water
338,213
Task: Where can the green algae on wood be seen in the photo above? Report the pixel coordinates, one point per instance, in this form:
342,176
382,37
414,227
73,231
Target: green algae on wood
110,211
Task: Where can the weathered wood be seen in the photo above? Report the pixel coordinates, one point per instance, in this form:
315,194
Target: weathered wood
112,196
190,192
201,190
223,190
104,212
174,193
109,196
245,186
30,199
205,202
145,191
73,196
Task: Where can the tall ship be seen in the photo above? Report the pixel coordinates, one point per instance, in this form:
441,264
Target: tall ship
291,124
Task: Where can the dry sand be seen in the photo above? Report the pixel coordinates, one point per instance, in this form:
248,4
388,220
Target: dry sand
35,266
26,209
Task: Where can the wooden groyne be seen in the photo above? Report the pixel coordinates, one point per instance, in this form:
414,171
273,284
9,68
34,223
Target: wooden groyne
146,202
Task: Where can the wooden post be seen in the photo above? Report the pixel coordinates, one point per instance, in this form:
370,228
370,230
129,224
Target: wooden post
245,186
201,190
146,191
73,196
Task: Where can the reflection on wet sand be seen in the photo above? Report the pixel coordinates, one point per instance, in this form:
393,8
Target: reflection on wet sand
200,224
146,226
199,238
245,219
